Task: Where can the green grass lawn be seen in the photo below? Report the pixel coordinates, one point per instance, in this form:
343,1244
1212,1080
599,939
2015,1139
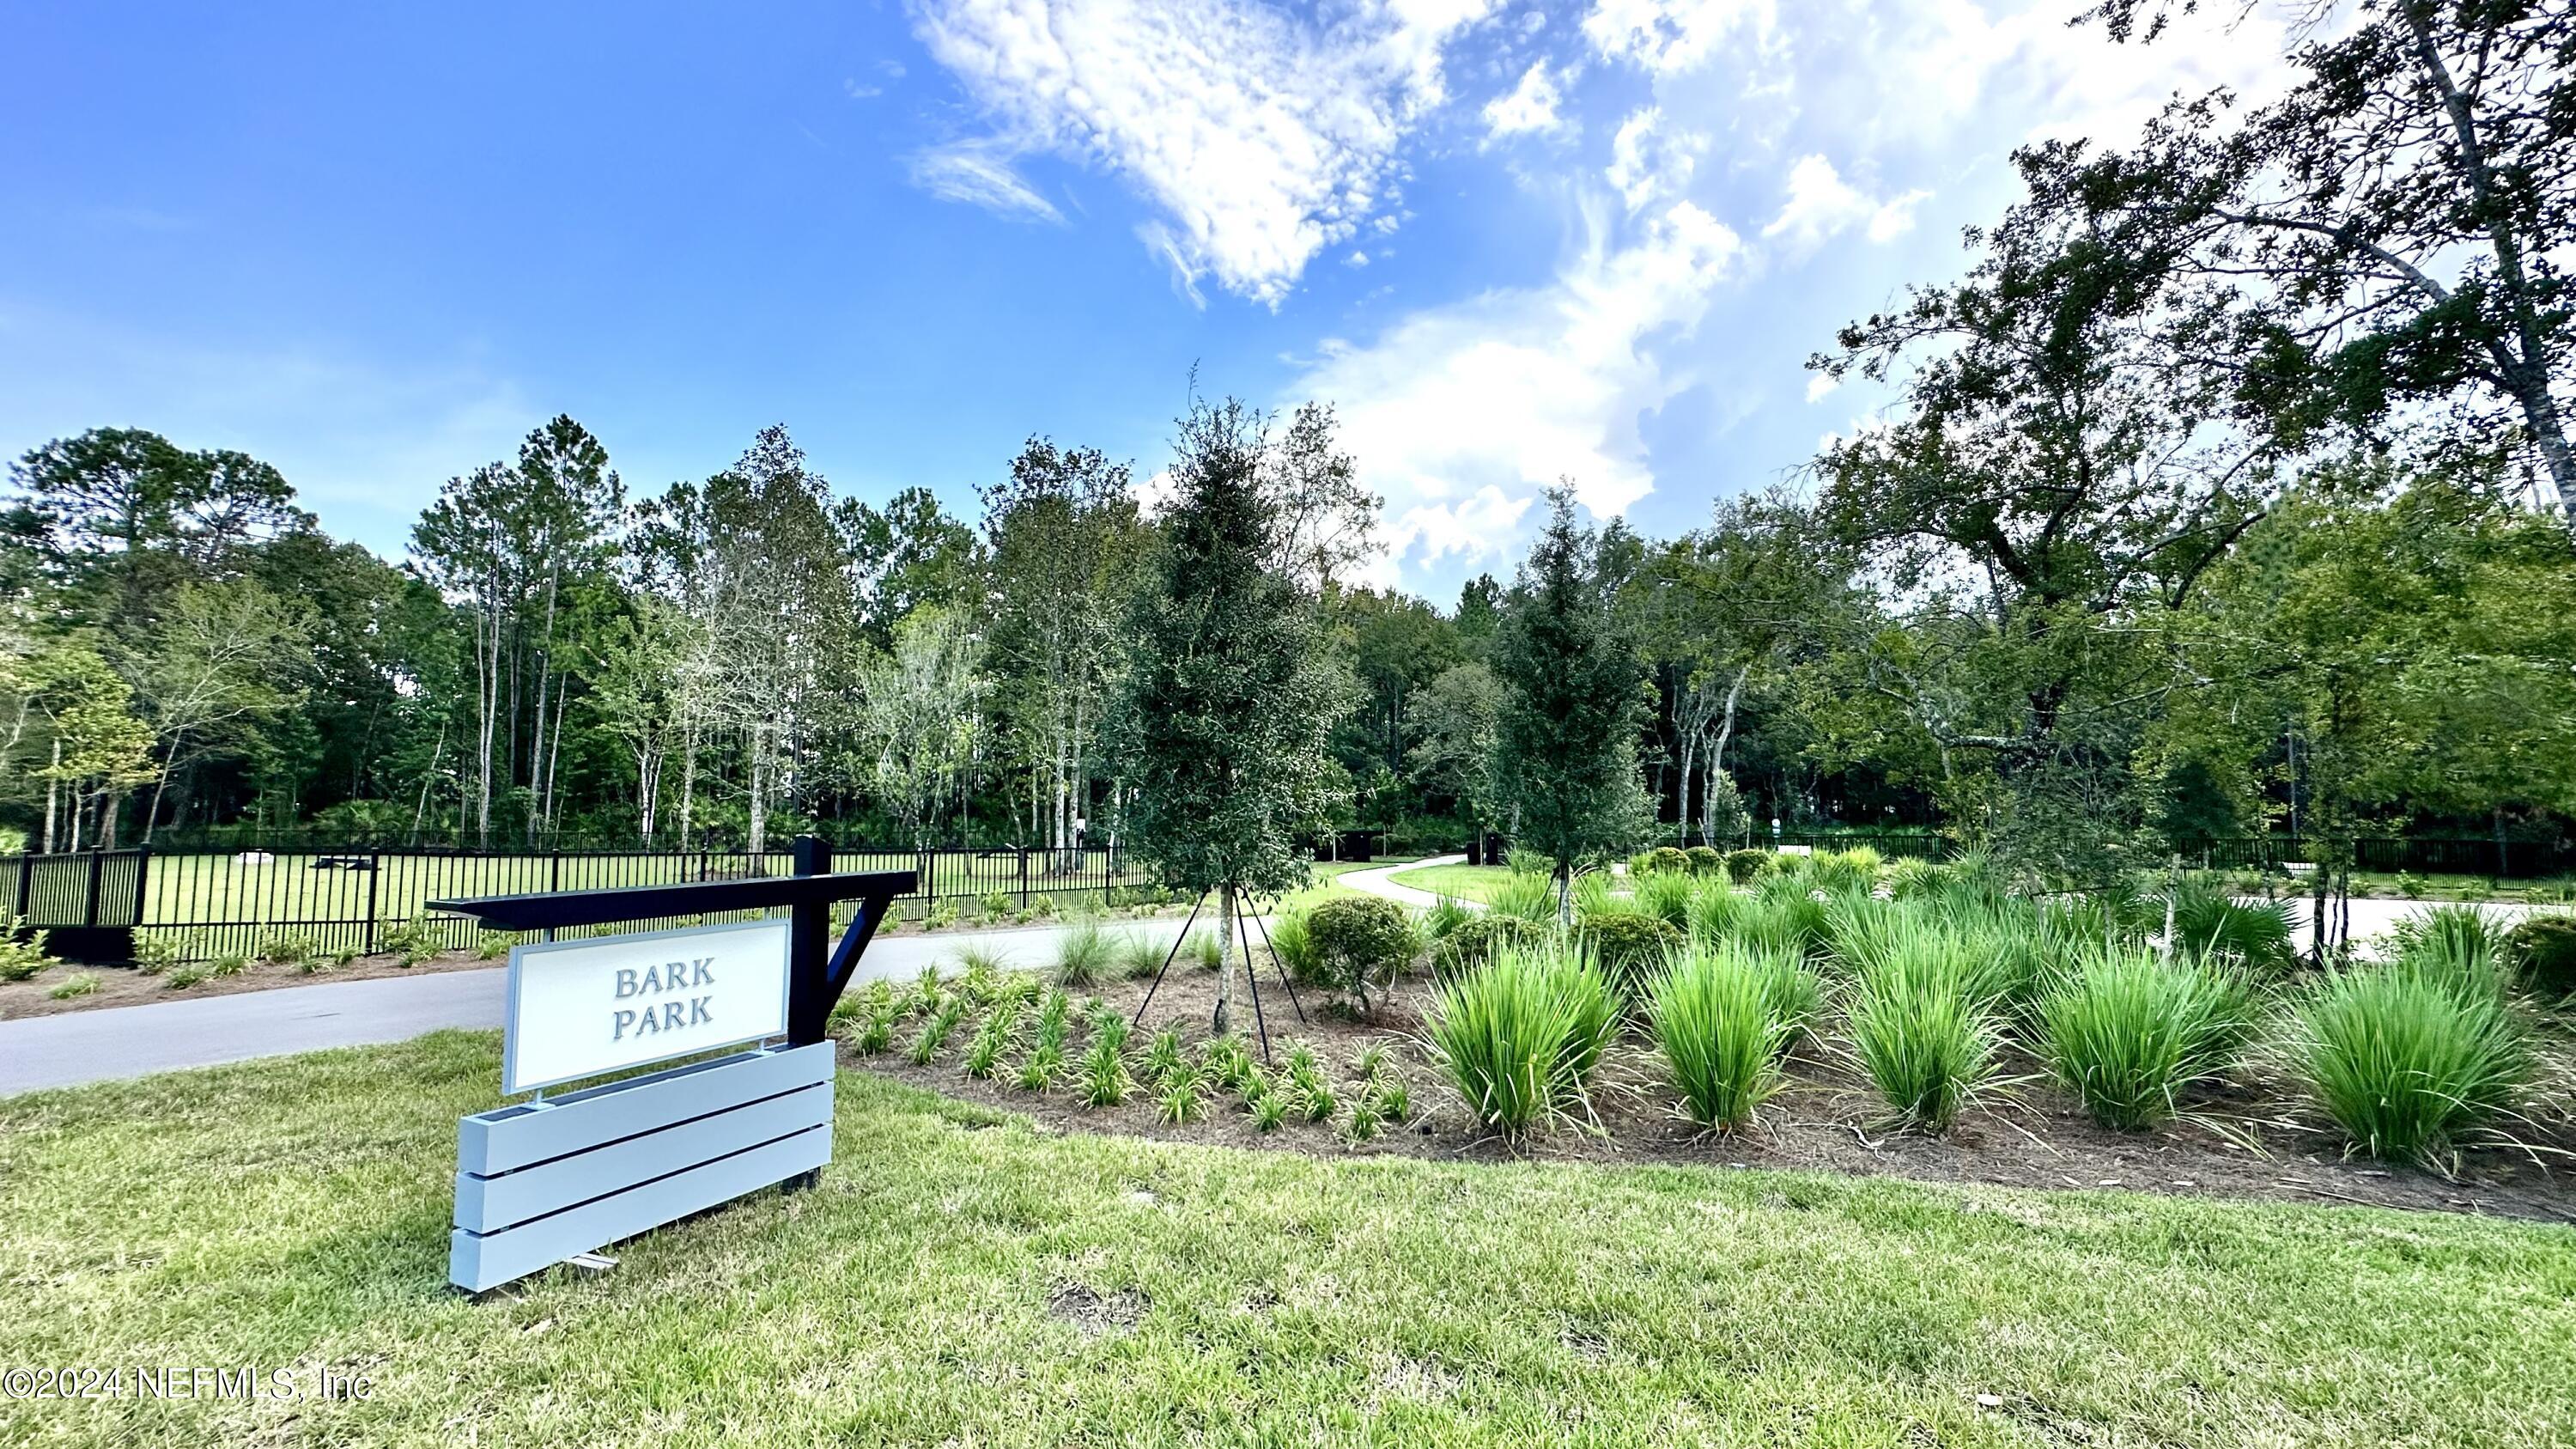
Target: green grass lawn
963,1277
1467,882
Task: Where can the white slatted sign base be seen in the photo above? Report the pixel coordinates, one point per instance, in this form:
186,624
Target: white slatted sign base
543,1182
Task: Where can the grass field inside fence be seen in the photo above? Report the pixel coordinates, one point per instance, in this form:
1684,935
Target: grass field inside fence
230,900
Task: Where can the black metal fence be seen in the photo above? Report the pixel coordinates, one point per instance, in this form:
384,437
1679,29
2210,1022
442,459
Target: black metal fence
99,904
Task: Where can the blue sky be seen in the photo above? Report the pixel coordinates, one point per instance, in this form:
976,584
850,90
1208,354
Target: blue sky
1508,241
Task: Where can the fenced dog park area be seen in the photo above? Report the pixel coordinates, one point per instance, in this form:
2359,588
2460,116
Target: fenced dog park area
197,904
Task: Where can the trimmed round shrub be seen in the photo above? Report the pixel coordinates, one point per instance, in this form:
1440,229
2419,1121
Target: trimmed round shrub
1630,945
1475,941
1361,944
2542,952
1747,866
1706,860
1667,860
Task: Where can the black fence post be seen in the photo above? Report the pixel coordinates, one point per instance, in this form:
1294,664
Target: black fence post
375,873
142,872
26,884
97,873
809,935
1024,877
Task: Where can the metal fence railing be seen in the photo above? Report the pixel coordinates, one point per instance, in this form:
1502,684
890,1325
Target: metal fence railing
216,902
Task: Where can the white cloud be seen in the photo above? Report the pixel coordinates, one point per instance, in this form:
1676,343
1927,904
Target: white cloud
1820,386
1650,160
1262,137
1462,415
1822,205
980,175
1529,107
1673,35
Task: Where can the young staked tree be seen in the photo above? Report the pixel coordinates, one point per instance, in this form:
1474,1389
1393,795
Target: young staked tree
1227,697
1565,739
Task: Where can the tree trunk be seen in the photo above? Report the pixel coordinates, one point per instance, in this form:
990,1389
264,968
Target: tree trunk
1565,895
53,795
1225,960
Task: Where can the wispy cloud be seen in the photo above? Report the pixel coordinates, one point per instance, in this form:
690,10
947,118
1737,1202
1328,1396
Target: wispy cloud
1261,137
980,175
1529,108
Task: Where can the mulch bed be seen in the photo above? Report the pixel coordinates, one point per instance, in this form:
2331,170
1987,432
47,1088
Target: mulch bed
2238,1143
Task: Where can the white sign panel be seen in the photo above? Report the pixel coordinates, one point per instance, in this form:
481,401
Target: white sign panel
583,1008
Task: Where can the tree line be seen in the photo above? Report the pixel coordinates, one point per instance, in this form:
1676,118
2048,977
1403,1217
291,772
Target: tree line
2224,494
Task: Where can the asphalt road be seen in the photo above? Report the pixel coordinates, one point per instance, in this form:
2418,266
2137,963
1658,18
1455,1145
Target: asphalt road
133,1041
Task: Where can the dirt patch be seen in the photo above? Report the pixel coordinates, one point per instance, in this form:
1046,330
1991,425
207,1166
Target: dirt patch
2239,1140
1095,1313
125,986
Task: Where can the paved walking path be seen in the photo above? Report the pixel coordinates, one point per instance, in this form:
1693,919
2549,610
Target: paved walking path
132,1041
1381,882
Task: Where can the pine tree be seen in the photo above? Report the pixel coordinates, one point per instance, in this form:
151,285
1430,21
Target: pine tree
1565,741
1227,700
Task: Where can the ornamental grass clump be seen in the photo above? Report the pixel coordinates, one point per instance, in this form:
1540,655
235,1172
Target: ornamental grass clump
2128,1031
1711,1014
2404,1064
1923,1035
1525,897
1668,897
2208,922
1520,1036
1084,954
1104,1079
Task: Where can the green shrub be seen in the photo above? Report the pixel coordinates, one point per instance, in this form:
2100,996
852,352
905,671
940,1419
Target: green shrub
410,942
1361,944
180,978
493,945
2404,1067
996,904
940,916
1855,869
2130,1030
1744,867
1711,1014
1163,1056
1914,878
1519,1037
1526,896
230,963
1631,947
1083,955
1667,860
992,1039
2541,951
79,983
286,948
1474,943
158,951
1926,1046
22,952
1706,862
1668,897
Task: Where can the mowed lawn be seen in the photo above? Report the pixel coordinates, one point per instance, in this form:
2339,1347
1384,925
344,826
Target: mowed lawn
1467,882
964,1277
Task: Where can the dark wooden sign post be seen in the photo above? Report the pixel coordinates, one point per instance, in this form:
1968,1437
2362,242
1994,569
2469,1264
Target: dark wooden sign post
551,1179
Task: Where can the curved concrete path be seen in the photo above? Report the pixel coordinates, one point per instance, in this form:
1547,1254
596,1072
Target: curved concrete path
1380,882
132,1041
